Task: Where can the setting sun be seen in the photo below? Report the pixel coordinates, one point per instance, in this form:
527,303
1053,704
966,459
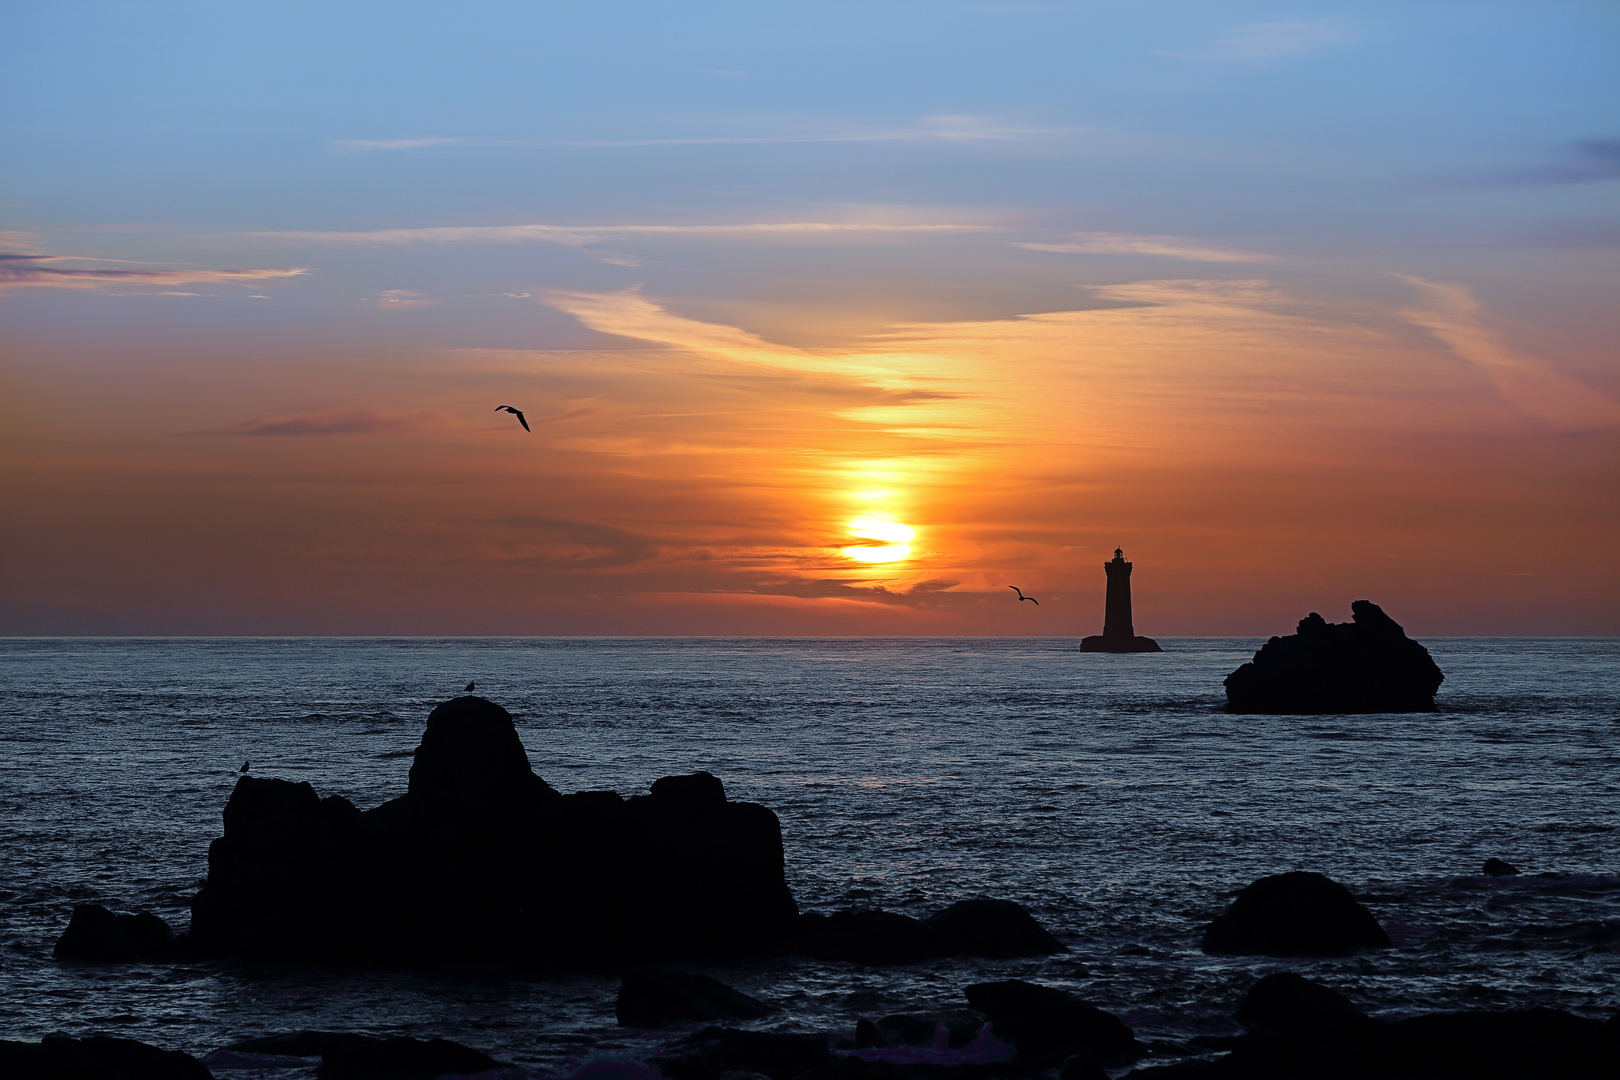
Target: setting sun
894,539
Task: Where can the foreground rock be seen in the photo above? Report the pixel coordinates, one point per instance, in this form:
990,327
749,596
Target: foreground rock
1517,1045
711,1053
657,999
98,935
346,1056
1295,914
1048,1026
482,860
96,1058
1365,666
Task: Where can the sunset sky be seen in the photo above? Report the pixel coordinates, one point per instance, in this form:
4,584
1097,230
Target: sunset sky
829,318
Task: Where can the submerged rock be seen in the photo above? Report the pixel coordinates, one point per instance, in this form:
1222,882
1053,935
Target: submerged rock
98,935
482,860
1365,666
657,999
1295,914
1498,868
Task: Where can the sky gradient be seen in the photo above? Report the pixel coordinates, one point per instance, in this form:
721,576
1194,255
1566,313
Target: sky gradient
828,318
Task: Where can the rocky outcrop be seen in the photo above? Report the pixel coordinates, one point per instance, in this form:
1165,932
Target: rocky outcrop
1287,1003
97,935
1368,665
98,1057
1295,914
993,930
482,860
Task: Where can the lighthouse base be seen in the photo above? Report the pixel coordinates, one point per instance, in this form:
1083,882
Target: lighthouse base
1104,643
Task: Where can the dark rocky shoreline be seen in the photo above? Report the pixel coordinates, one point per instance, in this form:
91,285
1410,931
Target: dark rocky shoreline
481,859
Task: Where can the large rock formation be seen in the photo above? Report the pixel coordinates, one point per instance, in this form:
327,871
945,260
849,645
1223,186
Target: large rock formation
482,860
1365,666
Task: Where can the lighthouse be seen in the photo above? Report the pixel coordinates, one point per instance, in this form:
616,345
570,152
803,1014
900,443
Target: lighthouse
1119,633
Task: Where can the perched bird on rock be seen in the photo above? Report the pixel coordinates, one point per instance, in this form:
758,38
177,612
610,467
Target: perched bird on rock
243,770
1021,595
517,413
469,688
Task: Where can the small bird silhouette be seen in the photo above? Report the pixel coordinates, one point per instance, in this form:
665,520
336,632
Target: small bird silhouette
243,770
469,687
517,413
1021,595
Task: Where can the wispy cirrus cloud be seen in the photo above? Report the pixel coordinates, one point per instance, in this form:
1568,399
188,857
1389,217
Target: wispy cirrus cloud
20,270
1453,315
1268,41
947,127
580,235
1174,247
325,422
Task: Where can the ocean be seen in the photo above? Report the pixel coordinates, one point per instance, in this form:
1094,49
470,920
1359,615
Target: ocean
1108,794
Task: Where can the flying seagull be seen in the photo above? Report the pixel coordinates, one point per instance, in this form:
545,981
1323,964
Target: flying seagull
469,687
517,413
1021,595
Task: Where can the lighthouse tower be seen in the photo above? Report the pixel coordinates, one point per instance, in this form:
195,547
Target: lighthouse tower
1119,633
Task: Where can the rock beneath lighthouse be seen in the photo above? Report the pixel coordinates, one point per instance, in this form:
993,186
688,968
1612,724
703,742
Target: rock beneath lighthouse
1368,665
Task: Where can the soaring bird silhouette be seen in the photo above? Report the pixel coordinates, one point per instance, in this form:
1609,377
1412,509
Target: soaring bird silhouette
469,688
1021,595
517,413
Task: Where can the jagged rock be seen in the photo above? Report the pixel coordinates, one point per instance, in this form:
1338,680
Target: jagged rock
1498,868
1048,1025
992,929
875,938
657,999
482,860
98,935
1365,666
98,1057
1291,1004
713,1052
1294,914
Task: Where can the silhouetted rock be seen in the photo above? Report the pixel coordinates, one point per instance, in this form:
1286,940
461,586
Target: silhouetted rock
657,999
98,1057
712,1052
1295,914
1083,1066
875,938
1365,666
481,860
904,1029
1048,1025
299,1043
993,929
361,1058
1498,868
1292,1004
96,934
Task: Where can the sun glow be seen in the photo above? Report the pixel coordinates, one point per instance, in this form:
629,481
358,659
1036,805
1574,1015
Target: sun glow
894,539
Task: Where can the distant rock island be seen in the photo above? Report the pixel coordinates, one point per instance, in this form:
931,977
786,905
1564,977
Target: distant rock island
1119,632
1367,665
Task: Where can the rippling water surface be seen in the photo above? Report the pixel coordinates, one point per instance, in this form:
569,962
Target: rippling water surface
1109,794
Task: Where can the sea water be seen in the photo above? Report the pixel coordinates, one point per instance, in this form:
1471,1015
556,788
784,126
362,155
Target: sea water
1110,795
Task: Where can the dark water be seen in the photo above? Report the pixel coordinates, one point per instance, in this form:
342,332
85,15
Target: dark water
1107,793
